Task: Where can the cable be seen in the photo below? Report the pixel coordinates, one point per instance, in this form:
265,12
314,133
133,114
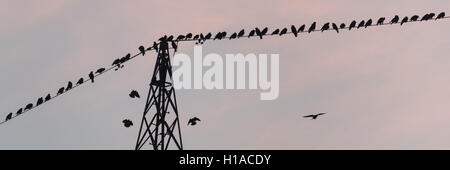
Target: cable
202,40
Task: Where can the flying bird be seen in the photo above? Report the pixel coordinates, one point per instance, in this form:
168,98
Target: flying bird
134,94
294,30
414,18
241,33
8,117
276,32
69,86
381,21
127,123
142,48
361,24
48,97
283,31
91,76
314,116
60,91
395,19
440,15
352,25
80,81
368,23
302,28
312,27
404,20
39,101
193,121
19,111
335,27
100,70
29,106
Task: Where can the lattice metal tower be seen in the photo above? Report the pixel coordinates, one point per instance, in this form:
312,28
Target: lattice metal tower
160,122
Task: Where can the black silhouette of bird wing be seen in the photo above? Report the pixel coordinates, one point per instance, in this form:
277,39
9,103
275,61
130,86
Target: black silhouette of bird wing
196,119
320,114
308,116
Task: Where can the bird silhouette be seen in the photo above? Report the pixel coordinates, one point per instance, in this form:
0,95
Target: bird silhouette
19,111
283,31
155,46
259,33
314,116
117,63
142,48
264,31
181,37
174,46
100,70
425,17
80,81
352,25
342,26
48,97
193,121
431,15
208,36
91,76
218,36
440,15
241,33
361,24
312,27
335,27
39,101
276,32
302,28
381,21
170,38
368,23
134,94
195,38
69,86
127,123
233,36
395,19
125,59
294,30
28,106
251,34
188,36
414,18
404,20
8,117
60,91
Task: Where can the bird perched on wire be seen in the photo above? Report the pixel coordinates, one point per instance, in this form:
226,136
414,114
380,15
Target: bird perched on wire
39,101
258,33
233,36
142,48
19,111
117,63
314,116
395,19
241,33
342,26
60,91
28,106
294,30
361,24
414,18
48,97
134,94
312,27
404,20
91,76
8,117
352,25
283,31
335,27
80,81
301,28
69,86
188,36
175,46
127,123
276,32
125,59
381,21
440,15
193,121
368,23
251,34
325,27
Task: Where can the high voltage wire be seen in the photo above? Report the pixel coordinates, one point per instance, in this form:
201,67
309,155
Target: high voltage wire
201,40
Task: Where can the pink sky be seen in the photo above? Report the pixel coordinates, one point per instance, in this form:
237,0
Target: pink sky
383,87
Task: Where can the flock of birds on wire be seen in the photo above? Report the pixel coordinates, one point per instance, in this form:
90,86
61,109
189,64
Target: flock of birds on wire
201,38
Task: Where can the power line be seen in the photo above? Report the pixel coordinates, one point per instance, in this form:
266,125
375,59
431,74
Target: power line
204,40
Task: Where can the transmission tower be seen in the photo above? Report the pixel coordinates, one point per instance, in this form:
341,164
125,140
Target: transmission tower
160,122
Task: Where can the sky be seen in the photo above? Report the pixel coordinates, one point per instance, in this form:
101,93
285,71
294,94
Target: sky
382,87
